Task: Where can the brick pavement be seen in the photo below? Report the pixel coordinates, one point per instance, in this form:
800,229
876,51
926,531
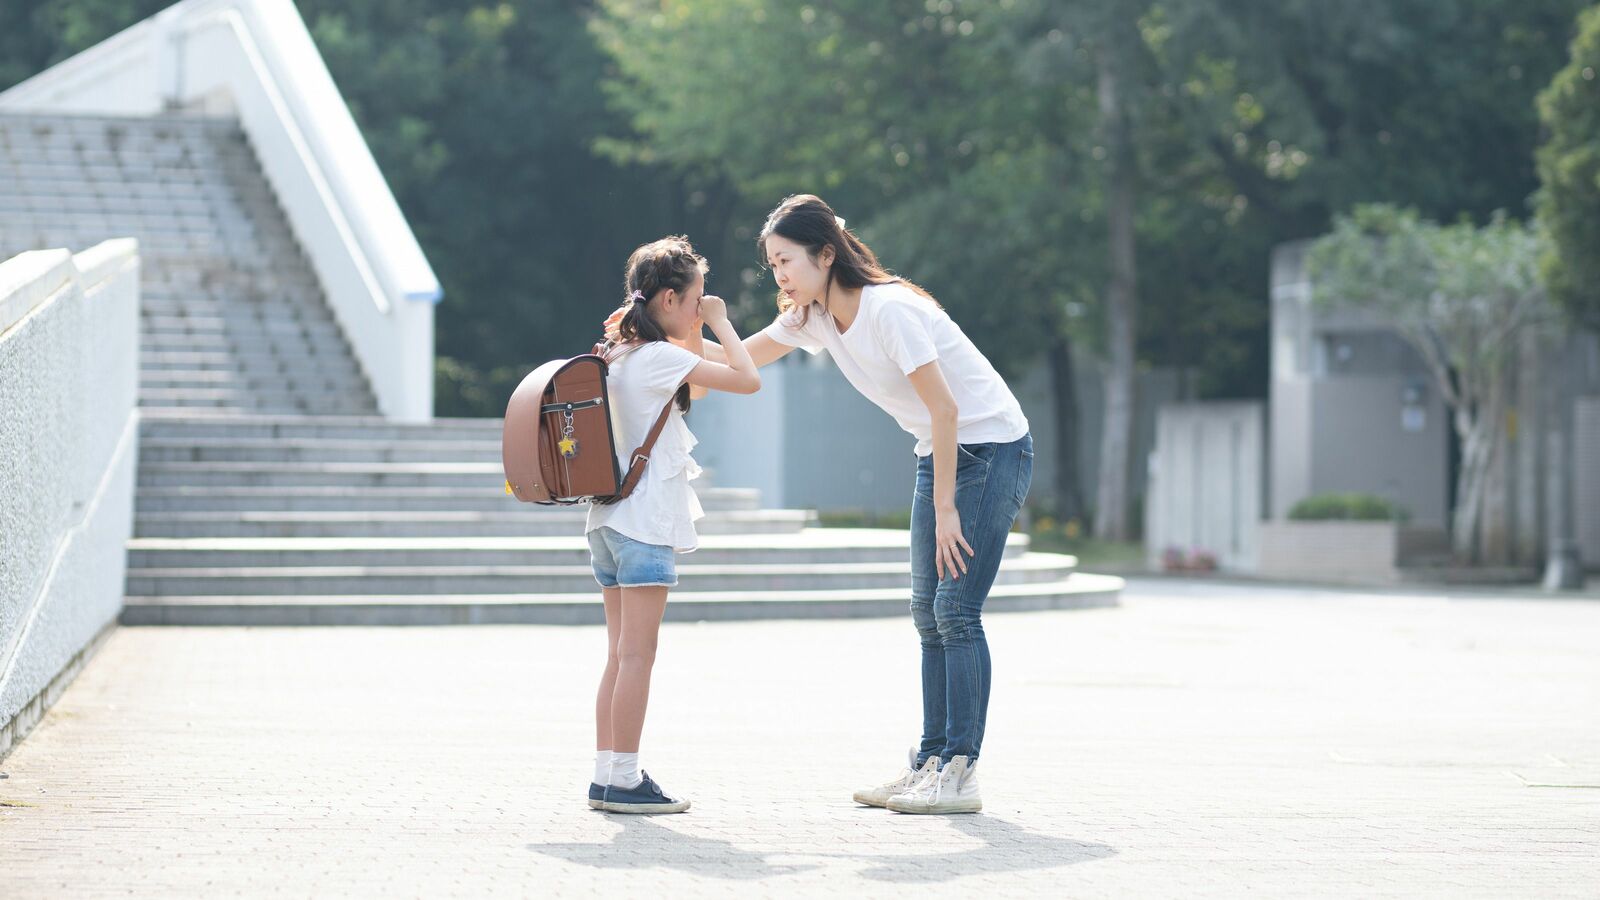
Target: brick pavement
1204,739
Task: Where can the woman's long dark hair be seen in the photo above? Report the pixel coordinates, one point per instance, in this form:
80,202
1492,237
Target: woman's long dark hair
667,264
811,223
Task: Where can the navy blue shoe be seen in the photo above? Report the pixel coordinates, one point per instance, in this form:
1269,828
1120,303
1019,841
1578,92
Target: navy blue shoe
597,795
646,799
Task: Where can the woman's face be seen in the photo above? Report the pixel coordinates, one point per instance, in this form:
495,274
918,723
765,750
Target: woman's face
676,312
801,277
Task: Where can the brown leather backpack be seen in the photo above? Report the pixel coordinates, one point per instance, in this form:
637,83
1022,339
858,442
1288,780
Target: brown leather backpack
557,445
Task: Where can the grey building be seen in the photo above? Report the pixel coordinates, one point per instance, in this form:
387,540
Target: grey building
1353,407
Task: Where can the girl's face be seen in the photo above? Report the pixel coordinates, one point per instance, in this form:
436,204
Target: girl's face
677,312
800,276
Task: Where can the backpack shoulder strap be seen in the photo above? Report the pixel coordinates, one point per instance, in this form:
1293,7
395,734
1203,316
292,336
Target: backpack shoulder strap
641,454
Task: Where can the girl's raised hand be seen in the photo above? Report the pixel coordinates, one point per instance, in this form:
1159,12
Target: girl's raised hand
713,310
613,332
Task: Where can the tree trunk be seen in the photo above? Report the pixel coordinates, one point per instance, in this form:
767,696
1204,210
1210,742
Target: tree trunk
1111,504
1064,387
1477,450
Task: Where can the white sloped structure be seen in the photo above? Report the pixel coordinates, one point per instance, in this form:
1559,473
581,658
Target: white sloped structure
69,444
255,60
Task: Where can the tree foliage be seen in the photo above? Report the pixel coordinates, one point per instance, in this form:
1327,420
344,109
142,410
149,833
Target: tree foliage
1569,166
1464,297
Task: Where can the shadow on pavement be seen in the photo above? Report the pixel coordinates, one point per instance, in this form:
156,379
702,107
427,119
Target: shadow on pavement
1007,847
642,843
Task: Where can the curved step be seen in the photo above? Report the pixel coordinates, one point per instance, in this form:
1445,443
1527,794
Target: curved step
195,498
528,522
1077,591
815,546
559,579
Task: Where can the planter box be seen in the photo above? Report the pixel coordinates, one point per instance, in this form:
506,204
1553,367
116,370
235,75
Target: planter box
1336,551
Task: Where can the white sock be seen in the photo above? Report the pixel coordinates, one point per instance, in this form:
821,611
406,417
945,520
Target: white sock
625,770
602,766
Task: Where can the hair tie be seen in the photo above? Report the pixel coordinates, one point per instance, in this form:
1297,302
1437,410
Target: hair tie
636,297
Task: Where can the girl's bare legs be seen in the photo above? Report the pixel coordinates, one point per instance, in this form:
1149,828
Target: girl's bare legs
634,655
608,681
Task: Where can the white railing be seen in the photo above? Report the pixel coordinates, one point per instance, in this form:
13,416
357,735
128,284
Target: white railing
256,58
68,449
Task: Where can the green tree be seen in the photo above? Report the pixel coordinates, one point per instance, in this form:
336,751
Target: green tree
989,195
37,34
1463,297
483,118
1569,166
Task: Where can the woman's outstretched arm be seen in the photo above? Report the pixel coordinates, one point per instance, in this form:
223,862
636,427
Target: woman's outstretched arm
762,349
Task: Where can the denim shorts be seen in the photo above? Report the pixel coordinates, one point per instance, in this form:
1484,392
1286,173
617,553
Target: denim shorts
621,561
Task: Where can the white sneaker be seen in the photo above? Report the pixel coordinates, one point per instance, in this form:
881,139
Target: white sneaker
909,778
953,790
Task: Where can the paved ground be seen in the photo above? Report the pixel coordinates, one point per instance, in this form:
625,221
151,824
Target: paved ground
1201,740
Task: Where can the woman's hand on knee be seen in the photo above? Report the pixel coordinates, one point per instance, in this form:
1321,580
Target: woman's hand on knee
949,544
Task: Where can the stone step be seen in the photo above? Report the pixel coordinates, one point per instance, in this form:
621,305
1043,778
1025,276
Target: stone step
253,365
344,498
292,349
172,289
320,428
309,450
1076,591
237,311
820,547
468,476
281,338
303,383
1029,568
533,521
245,274
201,412
263,398
251,327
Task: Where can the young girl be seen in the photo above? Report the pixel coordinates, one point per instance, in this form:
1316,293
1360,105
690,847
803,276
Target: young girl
903,352
632,542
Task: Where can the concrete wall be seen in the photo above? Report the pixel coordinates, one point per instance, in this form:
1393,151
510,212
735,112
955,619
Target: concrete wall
1344,552
1366,439
1586,468
69,329
1207,475
1353,408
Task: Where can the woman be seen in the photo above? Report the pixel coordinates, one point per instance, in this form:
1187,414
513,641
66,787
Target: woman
902,351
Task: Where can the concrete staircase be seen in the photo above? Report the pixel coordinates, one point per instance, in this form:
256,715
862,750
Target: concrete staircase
232,319
270,492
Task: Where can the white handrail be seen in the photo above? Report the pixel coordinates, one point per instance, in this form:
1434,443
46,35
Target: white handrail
231,19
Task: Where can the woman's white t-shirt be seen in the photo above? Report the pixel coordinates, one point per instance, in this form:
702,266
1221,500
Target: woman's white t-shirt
663,507
896,332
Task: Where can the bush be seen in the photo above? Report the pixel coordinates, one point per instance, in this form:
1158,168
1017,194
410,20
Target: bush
1353,507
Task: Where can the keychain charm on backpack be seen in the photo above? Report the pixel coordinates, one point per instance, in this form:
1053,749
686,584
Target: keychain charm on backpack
568,445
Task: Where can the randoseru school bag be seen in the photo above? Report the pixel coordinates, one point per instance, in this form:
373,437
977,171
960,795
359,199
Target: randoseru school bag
557,446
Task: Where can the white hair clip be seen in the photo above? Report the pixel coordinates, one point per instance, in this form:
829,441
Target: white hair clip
838,221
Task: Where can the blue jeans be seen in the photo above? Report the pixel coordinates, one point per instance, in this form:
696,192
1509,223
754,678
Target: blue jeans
992,481
619,560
